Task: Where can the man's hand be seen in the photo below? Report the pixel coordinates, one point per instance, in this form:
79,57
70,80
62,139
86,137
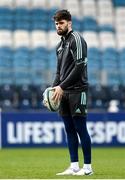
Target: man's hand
57,93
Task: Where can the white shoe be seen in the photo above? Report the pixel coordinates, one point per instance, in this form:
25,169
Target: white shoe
69,171
84,171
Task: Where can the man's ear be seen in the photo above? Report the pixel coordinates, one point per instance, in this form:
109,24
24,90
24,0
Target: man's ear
70,23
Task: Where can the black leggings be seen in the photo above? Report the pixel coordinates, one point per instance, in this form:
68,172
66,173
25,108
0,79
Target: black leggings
75,126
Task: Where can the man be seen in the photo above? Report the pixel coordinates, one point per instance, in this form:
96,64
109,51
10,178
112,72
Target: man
71,85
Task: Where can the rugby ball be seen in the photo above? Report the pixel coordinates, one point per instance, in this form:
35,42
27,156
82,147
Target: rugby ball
48,100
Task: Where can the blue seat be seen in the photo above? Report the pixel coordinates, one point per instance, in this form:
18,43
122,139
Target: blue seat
6,18
5,57
122,77
51,26
113,78
110,66
89,24
110,59
94,59
122,53
22,19
6,66
110,53
39,14
7,105
50,22
25,104
22,77
107,27
115,92
21,66
22,14
38,78
76,24
119,3
38,91
22,25
95,52
25,92
94,77
39,19
39,65
37,25
6,13
7,77
121,61
21,58
52,59
39,58
7,92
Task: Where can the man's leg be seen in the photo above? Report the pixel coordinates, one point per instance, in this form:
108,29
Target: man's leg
81,128
80,124
72,138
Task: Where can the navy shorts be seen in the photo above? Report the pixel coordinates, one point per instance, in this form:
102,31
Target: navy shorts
74,104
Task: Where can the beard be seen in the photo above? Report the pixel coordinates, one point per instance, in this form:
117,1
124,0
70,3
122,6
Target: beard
62,32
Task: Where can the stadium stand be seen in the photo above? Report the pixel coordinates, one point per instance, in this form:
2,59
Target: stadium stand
27,50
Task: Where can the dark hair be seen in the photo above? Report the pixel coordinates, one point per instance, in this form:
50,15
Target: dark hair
62,15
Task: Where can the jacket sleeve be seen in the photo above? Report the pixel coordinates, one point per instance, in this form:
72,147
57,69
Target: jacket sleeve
79,53
57,77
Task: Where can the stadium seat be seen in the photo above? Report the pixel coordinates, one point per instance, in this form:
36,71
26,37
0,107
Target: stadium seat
22,77
38,4
77,26
21,58
6,3
91,39
108,28
55,4
24,92
39,66
21,66
53,39
52,62
73,6
39,19
7,92
37,91
6,66
25,105
107,40
22,3
120,38
50,21
113,78
7,105
94,63
6,18
6,38
38,39
21,38
109,59
88,8
118,3
22,19
105,12
99,96
89,24
115,92
94,77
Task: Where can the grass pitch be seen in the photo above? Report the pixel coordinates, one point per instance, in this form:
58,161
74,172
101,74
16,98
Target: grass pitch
43,163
